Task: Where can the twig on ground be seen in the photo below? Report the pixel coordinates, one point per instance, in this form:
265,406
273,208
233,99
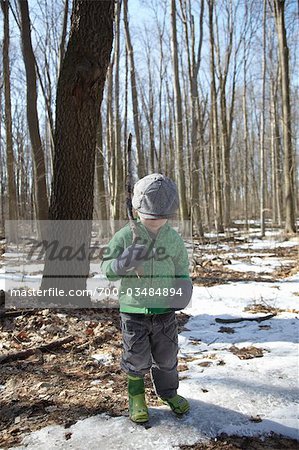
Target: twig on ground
31,351
242,319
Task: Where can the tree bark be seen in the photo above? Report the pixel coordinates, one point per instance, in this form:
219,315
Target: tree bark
12,193
119,182
194,61
101,206
290,227
141,162
178,118
63,35
262,131
245,135
214,132
32,115
79,96
2,170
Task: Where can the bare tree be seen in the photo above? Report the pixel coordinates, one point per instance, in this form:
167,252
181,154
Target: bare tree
214,129
141,162
100,198
32,115
262,129
63,34
12,194
118,182
79,97
279,6
194,60
178,118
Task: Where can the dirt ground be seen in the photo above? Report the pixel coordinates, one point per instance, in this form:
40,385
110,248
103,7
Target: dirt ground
245,443
65,384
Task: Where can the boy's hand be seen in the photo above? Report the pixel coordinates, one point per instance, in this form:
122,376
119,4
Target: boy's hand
178,301
131,258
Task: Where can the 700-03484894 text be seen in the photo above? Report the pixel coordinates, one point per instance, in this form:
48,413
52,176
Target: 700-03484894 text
141,292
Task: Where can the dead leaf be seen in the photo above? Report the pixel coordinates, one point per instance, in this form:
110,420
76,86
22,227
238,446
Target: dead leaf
221,363
256,419
68,435
89,332
205,364
264,327
23,336
227,330
246,352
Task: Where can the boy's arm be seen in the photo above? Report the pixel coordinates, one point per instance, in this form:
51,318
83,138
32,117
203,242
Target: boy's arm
183,281
111,252
181,261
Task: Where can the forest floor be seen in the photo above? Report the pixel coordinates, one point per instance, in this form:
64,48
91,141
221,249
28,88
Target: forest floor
82,378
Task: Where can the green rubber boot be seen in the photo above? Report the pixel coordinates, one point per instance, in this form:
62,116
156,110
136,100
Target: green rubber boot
137,407
178,404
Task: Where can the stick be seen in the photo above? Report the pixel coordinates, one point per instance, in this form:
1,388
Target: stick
242,319
31,351
16,313
129,190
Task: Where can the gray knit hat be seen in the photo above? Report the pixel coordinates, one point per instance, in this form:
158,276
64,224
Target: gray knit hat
155,196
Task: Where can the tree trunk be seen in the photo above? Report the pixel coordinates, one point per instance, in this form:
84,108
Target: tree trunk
63,35
79,97
286,117
110,140
101,206
141,162
245,136
32,116
118,181
2,171
194,61
214,131
225,118
178,118
262,132
12,193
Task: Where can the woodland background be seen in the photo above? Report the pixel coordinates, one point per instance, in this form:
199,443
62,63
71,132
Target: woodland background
209,90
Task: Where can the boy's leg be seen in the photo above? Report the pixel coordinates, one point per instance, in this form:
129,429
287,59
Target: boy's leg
164,348
136,360
164,343
137,405
136,356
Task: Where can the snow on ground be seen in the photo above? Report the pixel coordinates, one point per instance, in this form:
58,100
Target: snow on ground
255,264
244,397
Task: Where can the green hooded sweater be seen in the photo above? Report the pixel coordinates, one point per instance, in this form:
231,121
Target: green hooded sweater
151,292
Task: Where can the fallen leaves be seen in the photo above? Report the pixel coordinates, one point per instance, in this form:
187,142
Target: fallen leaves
227,330
205,364
182,367
256,419
246,352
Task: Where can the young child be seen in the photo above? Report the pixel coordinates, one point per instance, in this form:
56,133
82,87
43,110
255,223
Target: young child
154,272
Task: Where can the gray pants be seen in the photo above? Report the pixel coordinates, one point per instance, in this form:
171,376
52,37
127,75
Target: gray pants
150,343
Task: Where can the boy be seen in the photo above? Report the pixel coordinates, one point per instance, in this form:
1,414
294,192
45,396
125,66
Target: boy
154,272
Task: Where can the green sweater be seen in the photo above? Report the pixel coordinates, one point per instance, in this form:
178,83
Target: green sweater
148,294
